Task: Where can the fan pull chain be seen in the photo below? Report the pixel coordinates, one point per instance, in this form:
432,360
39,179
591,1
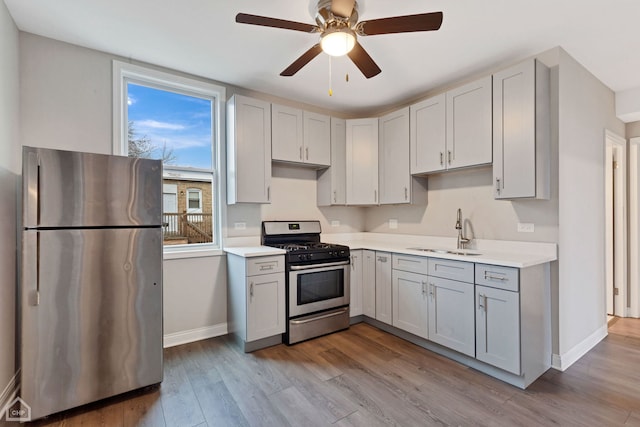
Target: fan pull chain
330,90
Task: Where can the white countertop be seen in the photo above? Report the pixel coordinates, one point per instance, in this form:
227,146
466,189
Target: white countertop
253,251
495,252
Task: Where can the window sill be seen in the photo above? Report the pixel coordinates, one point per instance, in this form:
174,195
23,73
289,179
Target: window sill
185,252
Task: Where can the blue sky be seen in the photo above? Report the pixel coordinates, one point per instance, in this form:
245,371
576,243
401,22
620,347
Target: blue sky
182,122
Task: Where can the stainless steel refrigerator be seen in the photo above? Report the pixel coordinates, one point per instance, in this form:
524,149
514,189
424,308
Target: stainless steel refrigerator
90,299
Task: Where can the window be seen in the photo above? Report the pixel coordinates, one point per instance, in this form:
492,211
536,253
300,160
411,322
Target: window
179,121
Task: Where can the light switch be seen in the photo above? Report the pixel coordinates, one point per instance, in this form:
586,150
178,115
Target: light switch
240,225
526,227
393,224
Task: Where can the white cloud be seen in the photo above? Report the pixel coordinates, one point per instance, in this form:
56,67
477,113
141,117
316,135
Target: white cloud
153,124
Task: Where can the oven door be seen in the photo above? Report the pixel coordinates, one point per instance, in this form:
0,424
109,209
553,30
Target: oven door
318,287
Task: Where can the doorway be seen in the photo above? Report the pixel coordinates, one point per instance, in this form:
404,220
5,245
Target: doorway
616,224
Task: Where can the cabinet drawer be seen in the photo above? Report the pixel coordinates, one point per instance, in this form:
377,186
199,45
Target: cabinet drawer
497,277
454,270
413,264
265,265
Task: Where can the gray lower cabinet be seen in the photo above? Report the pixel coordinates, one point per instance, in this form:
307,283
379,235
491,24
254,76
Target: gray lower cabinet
410,302
369,283
451,317
498,328
383,288
256,300
355,303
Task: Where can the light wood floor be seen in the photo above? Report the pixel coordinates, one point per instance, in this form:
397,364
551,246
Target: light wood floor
365,377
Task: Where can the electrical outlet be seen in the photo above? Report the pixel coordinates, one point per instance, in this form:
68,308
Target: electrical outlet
393,224
335,223
240,225
526,227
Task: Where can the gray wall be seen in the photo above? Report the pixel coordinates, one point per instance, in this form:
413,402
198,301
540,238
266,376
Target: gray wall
9,169
586,109
633,129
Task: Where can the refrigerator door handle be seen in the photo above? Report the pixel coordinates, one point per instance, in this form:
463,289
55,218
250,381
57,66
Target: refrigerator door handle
37,299
31,190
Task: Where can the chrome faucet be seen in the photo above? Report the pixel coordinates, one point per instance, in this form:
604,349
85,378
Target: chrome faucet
462,241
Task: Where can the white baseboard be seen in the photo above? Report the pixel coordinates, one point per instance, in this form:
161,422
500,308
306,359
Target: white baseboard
562,362
192,335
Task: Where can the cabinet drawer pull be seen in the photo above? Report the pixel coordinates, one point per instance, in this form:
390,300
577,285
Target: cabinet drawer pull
382,258
489,276
266,267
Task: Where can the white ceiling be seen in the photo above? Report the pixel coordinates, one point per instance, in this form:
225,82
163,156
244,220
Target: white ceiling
202,38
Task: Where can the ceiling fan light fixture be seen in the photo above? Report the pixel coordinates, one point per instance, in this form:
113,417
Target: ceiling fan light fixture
338,42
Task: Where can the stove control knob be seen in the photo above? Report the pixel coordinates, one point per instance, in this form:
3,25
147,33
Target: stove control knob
309,256
300,256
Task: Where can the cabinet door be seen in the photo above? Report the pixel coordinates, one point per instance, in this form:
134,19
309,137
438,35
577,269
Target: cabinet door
362,162
265,306
383,288
451,314
394,174
514,121
332,182
355,305
428,130
248,150
498,328
410,302
286,128
369,283
317,138
469,125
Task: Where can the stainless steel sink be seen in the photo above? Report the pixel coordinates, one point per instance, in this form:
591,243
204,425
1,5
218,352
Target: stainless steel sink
447,251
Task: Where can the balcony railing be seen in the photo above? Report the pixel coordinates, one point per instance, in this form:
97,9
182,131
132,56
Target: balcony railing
187,228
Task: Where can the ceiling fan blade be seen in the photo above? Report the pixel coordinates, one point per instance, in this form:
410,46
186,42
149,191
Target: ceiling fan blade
400,24
302,61
244,18
342,8
363,61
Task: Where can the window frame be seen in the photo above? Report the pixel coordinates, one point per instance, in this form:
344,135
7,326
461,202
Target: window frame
125,72
199,193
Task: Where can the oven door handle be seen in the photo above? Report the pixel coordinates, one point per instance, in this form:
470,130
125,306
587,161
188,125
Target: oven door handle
314,266
324,316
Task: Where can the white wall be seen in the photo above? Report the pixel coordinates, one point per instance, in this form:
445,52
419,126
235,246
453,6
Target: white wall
633,129
10,166
586,109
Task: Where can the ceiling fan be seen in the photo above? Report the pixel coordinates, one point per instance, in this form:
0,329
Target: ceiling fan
337,23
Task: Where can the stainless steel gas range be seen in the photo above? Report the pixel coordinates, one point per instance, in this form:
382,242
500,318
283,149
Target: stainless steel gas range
317,279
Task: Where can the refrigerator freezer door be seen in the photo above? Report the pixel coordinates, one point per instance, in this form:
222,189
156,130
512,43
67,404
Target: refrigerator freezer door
96,329
71,189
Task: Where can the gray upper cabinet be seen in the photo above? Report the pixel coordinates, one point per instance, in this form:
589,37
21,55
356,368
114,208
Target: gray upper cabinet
428,135
362,161
469,125
248,150
521,140
317,138
452,130
332,182
393,168
287,134
300,136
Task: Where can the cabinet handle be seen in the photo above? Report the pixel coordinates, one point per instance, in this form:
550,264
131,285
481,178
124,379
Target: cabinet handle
406,193
382,258
481,301
488,276
431,291
306,151
301,153
498,185
375,196
266,267
335,197
449,156
423,290
251,290
268,193
441,158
